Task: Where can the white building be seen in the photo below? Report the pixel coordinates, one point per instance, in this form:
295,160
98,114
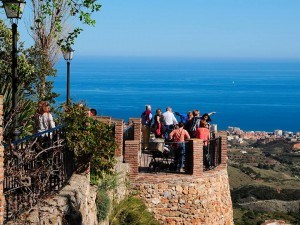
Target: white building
278,133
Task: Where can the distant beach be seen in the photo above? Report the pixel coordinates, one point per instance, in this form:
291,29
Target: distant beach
251,95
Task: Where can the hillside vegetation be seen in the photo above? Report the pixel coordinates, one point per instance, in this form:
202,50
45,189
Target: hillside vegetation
265,182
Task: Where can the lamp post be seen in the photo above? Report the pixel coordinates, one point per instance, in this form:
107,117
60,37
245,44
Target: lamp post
14,11
68,56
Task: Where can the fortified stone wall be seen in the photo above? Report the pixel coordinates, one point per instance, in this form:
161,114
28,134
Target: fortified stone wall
199,198
186,200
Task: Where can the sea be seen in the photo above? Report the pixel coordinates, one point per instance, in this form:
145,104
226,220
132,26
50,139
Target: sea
254,95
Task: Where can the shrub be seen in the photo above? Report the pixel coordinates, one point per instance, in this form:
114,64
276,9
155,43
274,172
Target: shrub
102,204
92,141
132,211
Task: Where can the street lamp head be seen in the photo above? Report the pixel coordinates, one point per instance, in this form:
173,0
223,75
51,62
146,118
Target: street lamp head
14,8
68,53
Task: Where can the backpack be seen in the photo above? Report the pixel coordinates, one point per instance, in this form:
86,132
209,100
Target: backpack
195,124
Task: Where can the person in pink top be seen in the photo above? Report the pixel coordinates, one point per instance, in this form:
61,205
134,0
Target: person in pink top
179,136
204,134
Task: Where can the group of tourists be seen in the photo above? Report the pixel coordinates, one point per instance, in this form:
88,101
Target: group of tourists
165,125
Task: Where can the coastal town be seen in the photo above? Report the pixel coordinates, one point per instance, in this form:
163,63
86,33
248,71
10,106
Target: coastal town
235,134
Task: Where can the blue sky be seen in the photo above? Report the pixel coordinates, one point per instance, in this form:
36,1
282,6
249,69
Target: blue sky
193,28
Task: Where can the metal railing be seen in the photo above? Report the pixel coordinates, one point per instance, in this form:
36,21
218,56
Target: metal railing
212,150
163,157
35,166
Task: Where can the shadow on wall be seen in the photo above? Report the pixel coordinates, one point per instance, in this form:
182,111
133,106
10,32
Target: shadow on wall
72,216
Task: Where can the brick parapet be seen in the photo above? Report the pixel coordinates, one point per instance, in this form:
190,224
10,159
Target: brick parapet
119,127
104,119
197,156
132,157
2,198
223,136
137,126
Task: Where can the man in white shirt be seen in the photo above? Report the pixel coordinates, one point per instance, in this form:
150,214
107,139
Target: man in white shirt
169,120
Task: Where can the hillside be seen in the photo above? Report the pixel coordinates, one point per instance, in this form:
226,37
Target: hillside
265,182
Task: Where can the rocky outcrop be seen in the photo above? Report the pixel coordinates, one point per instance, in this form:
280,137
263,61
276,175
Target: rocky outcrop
75,204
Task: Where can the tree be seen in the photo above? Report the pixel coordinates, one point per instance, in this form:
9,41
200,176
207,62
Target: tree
52,33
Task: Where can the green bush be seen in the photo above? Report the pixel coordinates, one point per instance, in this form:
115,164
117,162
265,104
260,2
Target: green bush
102,204
132,211
92,141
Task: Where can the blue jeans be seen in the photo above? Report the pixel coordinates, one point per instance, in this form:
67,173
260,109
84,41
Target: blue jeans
180,155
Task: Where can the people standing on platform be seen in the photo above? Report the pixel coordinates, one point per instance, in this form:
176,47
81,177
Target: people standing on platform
146,124
204,134
179,136
205,119
158,126
195,123
169,121
189,120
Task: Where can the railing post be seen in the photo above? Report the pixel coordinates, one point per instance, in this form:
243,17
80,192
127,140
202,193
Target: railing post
197,159
137,126
132,157
223,136
2,197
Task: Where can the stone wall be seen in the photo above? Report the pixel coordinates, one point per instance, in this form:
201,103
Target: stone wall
196,198
180,199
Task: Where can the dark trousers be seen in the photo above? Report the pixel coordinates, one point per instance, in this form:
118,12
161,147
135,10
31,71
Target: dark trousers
179,155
